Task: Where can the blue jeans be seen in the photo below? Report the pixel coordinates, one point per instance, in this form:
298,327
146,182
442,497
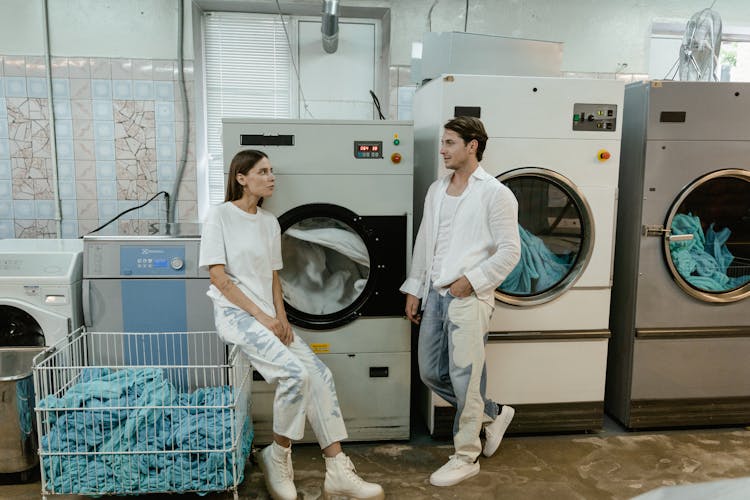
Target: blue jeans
452,337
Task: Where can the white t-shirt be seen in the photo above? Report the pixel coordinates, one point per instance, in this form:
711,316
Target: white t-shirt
249,246
445,230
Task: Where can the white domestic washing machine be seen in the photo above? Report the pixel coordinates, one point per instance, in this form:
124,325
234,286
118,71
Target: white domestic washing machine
40,290
344,202
681,299
555,143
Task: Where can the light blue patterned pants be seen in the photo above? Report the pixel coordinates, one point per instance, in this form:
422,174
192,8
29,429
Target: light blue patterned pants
305,385
452,336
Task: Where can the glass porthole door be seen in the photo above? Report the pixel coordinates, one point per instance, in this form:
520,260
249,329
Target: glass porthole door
326,265
557,234
707,243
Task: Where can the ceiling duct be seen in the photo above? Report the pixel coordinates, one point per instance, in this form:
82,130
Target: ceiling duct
330,26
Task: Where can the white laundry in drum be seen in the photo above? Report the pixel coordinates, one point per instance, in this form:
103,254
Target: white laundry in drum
325,268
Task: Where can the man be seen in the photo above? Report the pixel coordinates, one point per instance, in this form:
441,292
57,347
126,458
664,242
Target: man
467,244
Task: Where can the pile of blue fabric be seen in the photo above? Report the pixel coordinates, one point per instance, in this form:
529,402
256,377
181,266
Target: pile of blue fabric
131,431
703,261
539,268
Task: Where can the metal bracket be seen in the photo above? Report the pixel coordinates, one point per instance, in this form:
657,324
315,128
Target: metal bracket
655,230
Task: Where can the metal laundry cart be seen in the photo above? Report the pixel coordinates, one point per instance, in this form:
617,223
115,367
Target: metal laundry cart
131,413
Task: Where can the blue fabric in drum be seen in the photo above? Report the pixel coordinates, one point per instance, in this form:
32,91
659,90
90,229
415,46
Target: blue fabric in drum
705,261
539,268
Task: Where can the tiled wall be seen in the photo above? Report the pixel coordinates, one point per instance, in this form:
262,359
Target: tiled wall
119,129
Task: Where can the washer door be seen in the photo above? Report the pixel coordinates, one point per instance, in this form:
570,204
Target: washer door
707,244
557,236
19,328
339,265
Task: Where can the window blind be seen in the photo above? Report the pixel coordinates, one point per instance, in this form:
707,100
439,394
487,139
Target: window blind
247,74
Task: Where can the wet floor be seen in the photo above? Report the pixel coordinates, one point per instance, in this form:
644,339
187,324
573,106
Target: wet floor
612,464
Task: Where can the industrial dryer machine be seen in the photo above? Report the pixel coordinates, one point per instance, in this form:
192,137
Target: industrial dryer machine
681,298
555,143
344,202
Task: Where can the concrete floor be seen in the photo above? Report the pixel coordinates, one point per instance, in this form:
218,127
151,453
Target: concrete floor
612,464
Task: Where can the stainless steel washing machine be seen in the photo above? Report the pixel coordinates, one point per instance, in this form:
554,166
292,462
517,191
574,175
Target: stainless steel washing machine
344,202
680,315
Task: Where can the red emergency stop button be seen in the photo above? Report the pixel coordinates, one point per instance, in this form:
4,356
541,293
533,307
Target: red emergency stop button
396,158
603,155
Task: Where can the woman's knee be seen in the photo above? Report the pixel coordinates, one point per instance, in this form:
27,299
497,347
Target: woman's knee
298,378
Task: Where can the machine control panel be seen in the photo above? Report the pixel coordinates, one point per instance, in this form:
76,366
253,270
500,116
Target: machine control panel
152,261
594,117
368,149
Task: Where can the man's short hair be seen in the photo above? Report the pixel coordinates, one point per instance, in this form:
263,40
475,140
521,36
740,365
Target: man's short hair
469,128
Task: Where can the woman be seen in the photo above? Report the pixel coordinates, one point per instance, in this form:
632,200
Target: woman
241,247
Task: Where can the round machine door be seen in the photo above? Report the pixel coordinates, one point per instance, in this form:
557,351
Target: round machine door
328,265
19,328
707,243
557,236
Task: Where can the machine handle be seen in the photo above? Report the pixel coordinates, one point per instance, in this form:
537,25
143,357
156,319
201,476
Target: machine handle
680,237
86,299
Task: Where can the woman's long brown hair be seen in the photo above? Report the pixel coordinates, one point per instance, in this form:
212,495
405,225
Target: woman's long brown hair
242,163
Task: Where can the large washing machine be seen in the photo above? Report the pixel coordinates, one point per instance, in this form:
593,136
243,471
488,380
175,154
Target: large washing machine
344,202
556,144
40,290
680,305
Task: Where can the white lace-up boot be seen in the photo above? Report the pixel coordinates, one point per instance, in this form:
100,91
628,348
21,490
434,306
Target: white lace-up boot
342,482
276,463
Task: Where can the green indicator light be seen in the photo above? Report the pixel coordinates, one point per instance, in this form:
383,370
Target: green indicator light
396,142
576,117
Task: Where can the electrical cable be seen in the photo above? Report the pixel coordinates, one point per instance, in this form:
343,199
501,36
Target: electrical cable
376,101
172,210
294,64
52,139
110,221
429,15
466,16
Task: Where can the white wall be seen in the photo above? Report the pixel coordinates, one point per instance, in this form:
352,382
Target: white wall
598,34
139,29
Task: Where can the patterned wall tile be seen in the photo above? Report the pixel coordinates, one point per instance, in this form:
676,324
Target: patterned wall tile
117,126
60,88
14,66
80,88
60,68
79,67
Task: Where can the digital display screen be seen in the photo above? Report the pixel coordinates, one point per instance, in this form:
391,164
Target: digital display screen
368,149
160,262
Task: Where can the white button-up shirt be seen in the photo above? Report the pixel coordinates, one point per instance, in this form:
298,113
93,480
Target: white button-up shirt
485,245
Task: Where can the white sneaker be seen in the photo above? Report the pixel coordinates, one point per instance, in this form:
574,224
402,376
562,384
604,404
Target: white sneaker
276,463
342,481
493,433
456,470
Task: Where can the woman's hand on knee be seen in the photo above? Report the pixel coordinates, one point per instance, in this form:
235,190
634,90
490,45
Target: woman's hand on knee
288,336
280,328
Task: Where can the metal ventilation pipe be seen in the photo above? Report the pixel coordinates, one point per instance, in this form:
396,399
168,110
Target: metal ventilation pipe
330,26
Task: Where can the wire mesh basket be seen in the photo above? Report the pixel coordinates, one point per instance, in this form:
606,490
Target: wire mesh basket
133,413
